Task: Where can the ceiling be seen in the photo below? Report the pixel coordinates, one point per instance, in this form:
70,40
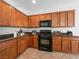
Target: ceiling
42,6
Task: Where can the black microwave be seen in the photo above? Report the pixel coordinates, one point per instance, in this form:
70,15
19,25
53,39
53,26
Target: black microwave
45,23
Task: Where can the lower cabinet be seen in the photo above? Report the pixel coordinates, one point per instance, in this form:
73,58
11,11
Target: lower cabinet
30,40
75,45
21,44
8,50
56,43
35,41
66,44
69,44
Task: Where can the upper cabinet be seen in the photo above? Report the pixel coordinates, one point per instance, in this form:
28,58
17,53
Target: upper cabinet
55,19
9,16
67,18
34,21
5,14
63,19
19,19
45,16
71,17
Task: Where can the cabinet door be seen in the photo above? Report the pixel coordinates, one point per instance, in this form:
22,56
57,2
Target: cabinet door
34,21
55,19
27,41
75,46
56,45
5,11
1,18
25,21
45,17
21,45
63,19
65,44
4,54
35,41
18,18
31,41
71,18
8,49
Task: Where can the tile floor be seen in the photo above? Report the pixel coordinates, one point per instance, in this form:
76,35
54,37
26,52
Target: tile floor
32,53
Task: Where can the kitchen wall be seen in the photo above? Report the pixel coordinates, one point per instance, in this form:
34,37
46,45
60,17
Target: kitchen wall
73,5
8,30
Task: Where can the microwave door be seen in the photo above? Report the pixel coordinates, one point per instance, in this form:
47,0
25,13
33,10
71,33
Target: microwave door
44,24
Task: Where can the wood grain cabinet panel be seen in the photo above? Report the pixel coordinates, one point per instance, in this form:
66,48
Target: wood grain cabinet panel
5,16
71,18
65,44
45,16
8,50
19,19
35,41
1,18
75,45
55,19
30,41
34,21
27,41
56,45
63,19
21,45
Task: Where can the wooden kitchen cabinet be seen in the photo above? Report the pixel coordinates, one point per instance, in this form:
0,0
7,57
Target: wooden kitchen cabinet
45,16
34,21
30,41
75,45
35,41
55,19
27,41
21,44
56,43
63,19
8,49
71,18
5,14
9,16
66,44
19,19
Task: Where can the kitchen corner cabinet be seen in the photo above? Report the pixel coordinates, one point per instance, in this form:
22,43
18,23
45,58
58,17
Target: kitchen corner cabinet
55,19
66,44
45,16
35,41
56,43
34,21
8,49
19,19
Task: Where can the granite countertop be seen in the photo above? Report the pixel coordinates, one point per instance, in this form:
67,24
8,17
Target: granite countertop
2,40
29,33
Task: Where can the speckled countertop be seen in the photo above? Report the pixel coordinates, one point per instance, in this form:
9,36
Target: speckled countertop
35,34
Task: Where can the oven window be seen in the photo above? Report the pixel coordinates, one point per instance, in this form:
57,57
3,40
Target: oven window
44,42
